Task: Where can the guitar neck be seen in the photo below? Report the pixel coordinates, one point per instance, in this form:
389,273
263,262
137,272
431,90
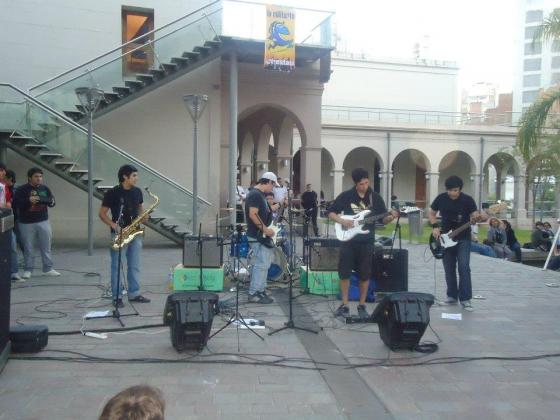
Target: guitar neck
460,229
373,218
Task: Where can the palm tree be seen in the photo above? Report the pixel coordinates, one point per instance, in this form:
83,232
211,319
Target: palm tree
534,119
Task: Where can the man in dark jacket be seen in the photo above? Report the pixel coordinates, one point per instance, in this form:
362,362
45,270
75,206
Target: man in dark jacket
309,203
31,203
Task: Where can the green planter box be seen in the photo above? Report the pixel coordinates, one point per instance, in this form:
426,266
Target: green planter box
189,279
319,282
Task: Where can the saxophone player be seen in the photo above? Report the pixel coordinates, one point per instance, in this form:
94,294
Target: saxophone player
125,202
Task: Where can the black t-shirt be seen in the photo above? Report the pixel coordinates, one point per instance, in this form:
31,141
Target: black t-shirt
129,199
350,203
455,213
257,199
309,199
32,213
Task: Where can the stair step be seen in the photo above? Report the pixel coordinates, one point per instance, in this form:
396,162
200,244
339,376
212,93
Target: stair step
180,61
169,67
122,91
191,55
169,227
50,156
23,139
213,44
156,220
158,73
202,50
134,85
78,173
103,188
95,181
111,97
145,78
75,115
64,165
35,147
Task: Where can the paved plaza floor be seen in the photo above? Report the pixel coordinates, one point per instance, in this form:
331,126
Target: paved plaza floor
483,369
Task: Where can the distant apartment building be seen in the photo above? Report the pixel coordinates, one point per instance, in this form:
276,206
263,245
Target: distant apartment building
537,64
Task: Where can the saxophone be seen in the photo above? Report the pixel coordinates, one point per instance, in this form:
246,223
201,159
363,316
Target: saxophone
133,230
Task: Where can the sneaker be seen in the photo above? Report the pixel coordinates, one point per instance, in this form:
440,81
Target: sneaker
362,312
253,298
120,303
342,311
15,277
139,299
467,306
51,273
266,297
260,297
450,301
26,275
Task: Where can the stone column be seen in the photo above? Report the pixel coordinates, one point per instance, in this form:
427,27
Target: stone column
262,167
310,167
432,188
283,165
519,210
245,174
477,193
338,181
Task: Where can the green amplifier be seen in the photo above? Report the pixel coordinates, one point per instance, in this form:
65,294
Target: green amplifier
319,282
189,279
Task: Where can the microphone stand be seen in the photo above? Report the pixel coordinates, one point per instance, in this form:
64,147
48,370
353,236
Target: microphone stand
199,250
291,324
397,228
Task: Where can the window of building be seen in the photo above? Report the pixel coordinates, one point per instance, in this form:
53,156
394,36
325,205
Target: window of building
530,32
530,96
554,78
532,64
532,80
555,46
555,62
138,56
533,16
531,49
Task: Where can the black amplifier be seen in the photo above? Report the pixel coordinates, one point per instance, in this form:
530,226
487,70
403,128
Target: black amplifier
323,254
209,247
390,270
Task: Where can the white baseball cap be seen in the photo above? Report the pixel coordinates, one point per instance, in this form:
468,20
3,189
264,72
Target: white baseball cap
270,176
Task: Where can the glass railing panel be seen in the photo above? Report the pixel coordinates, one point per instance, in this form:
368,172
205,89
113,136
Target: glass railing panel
63,136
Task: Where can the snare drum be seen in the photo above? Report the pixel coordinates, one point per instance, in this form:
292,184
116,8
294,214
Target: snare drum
278,267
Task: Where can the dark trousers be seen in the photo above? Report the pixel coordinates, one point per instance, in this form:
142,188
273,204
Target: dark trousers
312,213
459,257
554,263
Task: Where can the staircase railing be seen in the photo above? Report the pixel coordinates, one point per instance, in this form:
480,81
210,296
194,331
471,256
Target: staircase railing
22,114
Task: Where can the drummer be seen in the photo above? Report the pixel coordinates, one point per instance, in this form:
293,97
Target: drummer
273,206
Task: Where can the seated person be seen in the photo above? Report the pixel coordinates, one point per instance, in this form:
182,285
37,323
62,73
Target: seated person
540,239
498,238
476,246
548,230
512,241
140,402
554,263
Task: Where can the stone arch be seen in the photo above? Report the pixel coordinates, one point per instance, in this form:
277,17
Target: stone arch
461,164
362,157
409,182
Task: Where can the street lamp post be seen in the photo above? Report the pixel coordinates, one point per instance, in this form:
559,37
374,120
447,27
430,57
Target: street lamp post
195,105
89,99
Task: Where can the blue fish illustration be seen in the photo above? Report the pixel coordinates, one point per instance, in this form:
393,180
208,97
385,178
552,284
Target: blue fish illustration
277,33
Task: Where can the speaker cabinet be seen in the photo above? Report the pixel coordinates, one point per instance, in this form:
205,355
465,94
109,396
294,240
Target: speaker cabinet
6,225
390,270
403,318
323,254
210,248
29,338
189,316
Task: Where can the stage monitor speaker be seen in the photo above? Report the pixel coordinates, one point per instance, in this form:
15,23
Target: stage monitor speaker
323,254
390,270
402,318
210,248
29,338
189,316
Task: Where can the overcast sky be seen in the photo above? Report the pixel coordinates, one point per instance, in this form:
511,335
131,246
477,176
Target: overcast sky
477,34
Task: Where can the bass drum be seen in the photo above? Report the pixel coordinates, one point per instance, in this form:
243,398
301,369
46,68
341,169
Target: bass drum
279,266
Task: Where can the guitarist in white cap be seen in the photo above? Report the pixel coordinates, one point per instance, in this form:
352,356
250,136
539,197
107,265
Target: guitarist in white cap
259,216
456,208
357,253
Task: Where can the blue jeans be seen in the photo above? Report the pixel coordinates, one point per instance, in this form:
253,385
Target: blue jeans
482,249
262,258
554,263
14,259
39,233
131,253
459,257
516,248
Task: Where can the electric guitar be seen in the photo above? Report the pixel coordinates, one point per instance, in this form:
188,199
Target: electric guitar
269,241
362,218
447,240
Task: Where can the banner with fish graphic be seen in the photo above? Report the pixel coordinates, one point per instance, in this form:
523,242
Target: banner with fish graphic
280,45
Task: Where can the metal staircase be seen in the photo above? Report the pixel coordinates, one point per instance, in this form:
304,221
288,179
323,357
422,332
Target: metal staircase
55,142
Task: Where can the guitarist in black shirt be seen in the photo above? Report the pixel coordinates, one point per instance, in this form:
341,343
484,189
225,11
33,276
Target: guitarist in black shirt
456,208
259,216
